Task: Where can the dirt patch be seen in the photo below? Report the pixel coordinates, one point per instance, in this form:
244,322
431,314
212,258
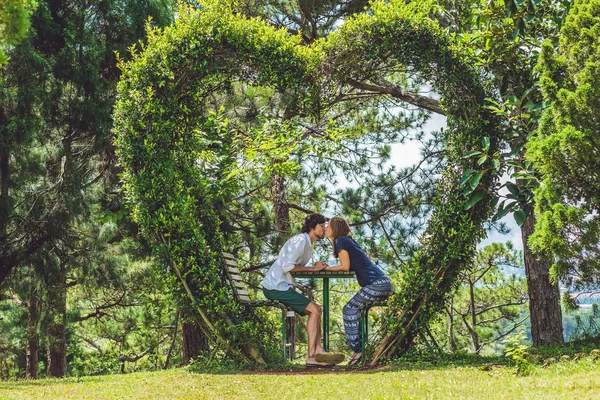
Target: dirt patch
300,369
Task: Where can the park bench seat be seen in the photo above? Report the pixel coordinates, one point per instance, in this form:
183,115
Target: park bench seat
240,290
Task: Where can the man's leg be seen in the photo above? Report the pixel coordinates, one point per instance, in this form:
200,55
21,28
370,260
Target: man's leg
312,329
320,348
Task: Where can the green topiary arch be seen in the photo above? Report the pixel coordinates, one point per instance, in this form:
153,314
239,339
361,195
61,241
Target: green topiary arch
163,130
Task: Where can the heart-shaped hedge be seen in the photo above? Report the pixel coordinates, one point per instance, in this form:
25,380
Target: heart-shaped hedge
163,129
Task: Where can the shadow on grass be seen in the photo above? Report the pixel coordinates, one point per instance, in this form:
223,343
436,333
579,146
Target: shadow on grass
407,363
24,383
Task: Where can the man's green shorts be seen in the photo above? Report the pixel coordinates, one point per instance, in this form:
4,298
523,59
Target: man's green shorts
290,298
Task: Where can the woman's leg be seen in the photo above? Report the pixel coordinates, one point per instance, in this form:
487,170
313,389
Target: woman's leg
377,291
351,314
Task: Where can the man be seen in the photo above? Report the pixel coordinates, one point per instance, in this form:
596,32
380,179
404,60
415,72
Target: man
278,284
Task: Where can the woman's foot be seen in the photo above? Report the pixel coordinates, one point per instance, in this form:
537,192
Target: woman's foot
333,358
354,359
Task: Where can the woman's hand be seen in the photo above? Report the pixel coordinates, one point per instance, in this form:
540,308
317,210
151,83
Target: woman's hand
320,265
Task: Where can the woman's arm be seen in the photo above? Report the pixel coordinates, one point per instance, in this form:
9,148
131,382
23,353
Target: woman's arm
344,262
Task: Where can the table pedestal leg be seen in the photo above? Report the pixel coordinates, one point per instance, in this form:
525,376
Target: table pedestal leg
326,314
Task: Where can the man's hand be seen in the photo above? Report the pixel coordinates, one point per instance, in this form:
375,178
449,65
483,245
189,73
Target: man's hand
320,265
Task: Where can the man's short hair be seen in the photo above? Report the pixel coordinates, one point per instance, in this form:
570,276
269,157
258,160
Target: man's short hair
311,221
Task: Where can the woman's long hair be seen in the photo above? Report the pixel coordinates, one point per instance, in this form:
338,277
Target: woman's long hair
339,227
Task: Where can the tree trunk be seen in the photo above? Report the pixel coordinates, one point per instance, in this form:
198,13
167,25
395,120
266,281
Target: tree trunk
473,329
33,337
57,320
544,296
280,205
451,340
282,214
194,341
4,178
173,341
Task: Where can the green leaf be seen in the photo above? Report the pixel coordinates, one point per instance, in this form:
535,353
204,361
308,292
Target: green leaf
519,217
474,200
488,44
539,106
512,188
472,153
482,159
467,175
526,94
514,100
515,35
476,179
496,164
494,202
501,214
494,102
486,143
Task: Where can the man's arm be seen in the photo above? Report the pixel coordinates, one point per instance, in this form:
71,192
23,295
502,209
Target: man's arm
319,265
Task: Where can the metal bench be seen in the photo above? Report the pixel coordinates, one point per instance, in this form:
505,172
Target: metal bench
364,323
240,290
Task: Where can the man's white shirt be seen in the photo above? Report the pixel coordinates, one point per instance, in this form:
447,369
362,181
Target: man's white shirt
296,251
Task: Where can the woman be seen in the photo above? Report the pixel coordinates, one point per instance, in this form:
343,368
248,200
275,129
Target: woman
375,285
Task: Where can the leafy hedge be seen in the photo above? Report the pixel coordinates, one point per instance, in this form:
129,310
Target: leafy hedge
179,169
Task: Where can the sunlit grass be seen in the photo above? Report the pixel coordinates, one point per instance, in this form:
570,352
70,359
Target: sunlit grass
565,380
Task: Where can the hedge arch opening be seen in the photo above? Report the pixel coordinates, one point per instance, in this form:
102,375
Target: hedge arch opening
163,130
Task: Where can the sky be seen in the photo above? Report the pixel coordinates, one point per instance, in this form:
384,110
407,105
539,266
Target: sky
407,154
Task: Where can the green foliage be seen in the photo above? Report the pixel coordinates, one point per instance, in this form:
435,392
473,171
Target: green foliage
12,338
518,353
563,149
489,303
504,37
583,345
14,22
584,323
310,19
447,243
163,130
179,164
56,101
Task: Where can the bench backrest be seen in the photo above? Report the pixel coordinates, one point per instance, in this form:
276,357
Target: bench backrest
239,286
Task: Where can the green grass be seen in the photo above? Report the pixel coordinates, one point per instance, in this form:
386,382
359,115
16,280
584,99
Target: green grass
422,380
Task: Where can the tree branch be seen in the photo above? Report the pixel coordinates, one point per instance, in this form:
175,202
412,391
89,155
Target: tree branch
399,93
300,208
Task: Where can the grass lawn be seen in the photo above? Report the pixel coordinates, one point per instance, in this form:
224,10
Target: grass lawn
565,380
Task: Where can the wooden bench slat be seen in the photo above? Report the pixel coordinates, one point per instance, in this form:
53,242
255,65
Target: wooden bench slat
233,270
230,263
239,284
240,288
235,277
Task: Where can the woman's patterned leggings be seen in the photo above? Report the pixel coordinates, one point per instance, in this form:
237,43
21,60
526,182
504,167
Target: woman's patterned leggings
379,290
